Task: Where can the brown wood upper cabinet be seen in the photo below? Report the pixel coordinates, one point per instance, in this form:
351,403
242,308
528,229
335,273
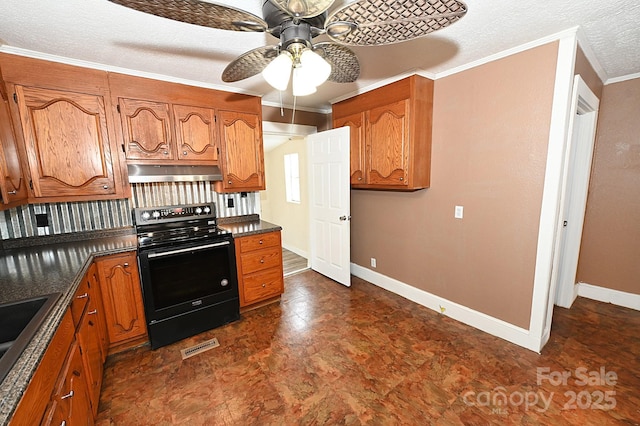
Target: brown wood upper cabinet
64,131
242,154
158,131
67,142
13,185
390,135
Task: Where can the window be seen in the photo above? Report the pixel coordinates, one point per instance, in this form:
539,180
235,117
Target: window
292,178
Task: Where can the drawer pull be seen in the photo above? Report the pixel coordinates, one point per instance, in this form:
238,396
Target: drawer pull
260,242
262,260
83,296
69,395
95,311
126,265
264,285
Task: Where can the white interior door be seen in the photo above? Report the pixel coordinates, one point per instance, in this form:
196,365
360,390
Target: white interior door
574,196
330,205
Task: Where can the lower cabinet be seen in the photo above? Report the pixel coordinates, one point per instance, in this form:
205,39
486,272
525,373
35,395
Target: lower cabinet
65,388
70,403
122,298
260,273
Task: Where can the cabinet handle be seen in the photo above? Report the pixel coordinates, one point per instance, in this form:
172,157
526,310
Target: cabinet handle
184,152
105,187
264,285
14,192
64,423
95,311
359,178
126,264
230,182
69,395
401,179
260,242
261,260
165,152
83,296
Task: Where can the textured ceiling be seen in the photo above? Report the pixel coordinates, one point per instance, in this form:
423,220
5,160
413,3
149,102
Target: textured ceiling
101,32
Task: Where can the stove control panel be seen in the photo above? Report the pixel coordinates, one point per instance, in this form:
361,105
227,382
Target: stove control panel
170,213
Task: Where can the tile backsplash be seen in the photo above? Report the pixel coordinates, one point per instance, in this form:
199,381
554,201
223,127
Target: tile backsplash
71,217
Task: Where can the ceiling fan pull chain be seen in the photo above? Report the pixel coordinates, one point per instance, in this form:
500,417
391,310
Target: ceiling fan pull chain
293,113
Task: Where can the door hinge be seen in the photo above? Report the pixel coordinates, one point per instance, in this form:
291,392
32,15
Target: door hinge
123,148
31,184
118,108
564,223
15,97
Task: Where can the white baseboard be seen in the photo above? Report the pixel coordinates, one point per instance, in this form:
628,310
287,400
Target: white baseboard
479,320
297,251
616,297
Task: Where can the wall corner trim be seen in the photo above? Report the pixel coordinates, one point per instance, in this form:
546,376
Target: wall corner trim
494,326
608,295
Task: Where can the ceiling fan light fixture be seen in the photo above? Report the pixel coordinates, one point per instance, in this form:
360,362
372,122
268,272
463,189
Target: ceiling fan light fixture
278,72
302,86
314,68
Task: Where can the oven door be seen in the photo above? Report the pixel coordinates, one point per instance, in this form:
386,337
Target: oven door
187,277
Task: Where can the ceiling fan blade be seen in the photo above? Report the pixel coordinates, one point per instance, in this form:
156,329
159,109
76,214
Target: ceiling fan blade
249,64
378,22
199,13
303,8
345,67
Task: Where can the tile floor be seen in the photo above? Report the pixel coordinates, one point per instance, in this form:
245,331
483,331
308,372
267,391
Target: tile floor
328,354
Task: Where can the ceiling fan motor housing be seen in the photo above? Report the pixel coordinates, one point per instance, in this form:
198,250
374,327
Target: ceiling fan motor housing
279,20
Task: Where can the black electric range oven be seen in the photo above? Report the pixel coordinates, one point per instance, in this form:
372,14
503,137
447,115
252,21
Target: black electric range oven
187,271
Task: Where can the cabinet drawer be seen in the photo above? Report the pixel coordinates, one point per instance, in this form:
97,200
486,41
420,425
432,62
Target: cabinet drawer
256,242
263,285
80,299
261,259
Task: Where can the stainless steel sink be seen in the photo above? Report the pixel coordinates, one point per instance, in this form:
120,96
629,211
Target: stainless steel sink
19,322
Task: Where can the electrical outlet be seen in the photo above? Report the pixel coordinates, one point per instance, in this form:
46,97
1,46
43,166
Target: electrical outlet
42,220
458,212
373,262
230,203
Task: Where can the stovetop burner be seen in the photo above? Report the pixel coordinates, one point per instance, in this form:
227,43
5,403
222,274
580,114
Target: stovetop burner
171,225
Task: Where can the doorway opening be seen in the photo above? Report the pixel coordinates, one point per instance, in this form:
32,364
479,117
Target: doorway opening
285,202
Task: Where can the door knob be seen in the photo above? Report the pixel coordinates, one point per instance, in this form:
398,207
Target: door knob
345,217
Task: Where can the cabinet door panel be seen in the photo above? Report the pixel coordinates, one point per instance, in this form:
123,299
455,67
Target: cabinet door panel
195,133
146,130
71,394
13,185
89,341
67,142
388,149
243,156
357,148
122,297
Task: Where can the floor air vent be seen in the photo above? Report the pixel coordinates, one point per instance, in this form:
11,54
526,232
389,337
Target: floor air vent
199,348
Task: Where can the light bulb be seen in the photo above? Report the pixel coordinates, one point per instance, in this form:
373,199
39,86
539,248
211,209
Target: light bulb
302,86
278,72
315,69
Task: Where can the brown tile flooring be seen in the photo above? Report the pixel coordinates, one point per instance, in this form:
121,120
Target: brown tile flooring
334,355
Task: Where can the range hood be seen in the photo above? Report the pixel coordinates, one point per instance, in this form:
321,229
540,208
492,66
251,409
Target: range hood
139,173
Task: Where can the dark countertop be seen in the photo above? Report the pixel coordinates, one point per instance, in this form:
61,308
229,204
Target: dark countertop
41,265
41,269
241,226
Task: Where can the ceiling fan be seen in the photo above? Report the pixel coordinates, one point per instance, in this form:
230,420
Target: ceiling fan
297,22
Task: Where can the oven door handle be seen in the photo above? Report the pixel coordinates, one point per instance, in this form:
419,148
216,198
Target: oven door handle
186,250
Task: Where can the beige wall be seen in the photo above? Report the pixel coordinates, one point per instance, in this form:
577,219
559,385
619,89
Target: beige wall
588,74
610,252
490,133
294,218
